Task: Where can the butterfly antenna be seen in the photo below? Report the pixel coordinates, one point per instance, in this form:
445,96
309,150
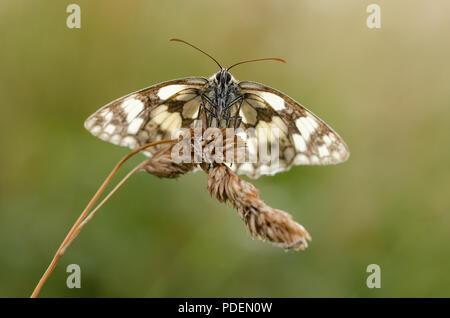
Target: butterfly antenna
182,41
265,59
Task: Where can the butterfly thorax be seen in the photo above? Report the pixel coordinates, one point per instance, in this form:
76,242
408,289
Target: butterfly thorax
220,96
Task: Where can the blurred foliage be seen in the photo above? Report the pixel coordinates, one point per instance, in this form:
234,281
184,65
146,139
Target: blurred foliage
385,92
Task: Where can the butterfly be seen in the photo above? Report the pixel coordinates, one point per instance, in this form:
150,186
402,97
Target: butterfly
156,112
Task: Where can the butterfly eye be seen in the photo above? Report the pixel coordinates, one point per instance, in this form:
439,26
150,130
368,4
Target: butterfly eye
218,76
228,77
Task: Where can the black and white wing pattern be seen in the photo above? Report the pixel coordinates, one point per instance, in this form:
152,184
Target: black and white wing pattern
304,139
150,114
157,112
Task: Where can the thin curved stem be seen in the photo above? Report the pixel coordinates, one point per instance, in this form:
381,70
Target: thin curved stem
85,212
91,214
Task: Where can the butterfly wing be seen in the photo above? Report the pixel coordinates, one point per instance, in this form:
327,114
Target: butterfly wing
156,112
303,138
150,114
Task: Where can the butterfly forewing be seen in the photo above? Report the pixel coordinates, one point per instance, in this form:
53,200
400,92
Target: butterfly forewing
150,114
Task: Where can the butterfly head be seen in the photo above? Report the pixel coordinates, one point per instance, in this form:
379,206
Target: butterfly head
223,78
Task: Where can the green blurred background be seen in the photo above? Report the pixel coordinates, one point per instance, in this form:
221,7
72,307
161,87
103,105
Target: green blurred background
386,92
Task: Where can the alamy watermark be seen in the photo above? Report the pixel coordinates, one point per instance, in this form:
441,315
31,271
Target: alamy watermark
74,279
374,279
73,20
373,21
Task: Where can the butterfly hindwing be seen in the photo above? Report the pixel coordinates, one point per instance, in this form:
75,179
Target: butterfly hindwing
150,114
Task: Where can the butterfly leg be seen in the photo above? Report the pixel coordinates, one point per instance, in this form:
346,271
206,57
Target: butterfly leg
234,101
237,119
208,119
203,107
237,122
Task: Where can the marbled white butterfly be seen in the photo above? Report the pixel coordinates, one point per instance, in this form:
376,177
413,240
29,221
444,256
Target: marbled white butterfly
156,112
